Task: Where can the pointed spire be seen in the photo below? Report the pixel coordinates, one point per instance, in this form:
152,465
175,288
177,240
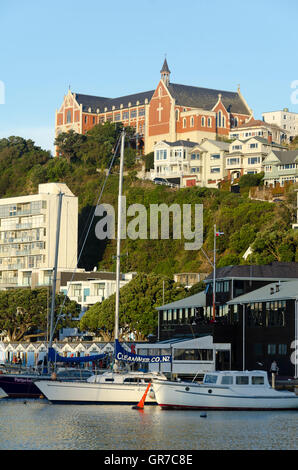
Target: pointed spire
165,72
165,67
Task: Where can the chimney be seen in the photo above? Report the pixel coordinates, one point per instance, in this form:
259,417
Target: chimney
269,138
271,290
277,288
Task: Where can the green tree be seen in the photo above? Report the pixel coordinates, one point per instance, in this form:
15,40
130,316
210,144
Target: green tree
69,144
137,307
24,310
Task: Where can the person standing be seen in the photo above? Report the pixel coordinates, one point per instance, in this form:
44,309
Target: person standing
274,372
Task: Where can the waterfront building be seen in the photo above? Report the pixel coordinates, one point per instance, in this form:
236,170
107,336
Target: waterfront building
193,316
170,112
28,236
280,168
285,119
268,318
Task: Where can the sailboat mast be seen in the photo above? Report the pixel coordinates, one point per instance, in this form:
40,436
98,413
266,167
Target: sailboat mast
119,236
55,269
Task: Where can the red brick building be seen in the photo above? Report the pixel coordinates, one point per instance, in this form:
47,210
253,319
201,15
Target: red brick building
170,112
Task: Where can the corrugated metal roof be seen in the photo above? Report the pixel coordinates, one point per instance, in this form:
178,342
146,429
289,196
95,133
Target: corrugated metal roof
274,291
197,300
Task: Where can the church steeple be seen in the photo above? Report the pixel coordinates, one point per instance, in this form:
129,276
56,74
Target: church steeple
165,72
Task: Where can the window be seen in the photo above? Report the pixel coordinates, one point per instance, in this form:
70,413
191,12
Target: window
177,114
282,349
227,380
215,156
242,379
125,115
191,121
219,119
209,122
253,160
215,170
253,146
233,161
133,113
142,112
184,122
117,117
271,349
210,379
257,380
68,116
203,121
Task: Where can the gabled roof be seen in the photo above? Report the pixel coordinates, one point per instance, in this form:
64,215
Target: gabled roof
218,143
271,292
207,98
275,270
257,123
181,143
95,102
285,156
197,300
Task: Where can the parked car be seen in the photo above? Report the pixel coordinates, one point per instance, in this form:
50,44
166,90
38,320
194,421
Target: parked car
165,182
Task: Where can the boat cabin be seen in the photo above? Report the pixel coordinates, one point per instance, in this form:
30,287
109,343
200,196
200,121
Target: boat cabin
249,378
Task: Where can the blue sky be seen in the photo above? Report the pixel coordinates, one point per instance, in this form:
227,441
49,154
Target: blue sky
117,48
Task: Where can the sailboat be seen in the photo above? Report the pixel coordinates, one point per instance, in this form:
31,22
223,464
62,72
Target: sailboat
118,386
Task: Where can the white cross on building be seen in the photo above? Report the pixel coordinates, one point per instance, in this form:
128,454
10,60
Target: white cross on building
159,109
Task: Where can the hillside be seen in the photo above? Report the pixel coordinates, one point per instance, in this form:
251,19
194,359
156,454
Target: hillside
263,225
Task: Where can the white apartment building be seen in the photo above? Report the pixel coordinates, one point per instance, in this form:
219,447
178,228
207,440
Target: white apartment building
28,236
93,287
285,119
189,163
246,156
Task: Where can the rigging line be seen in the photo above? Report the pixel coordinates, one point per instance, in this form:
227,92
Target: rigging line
83,245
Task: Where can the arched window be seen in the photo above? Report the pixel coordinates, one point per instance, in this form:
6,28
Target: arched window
236,122
184,122
191,121
68,116
219,119
203,121
209,122
160,91
223,121
177,114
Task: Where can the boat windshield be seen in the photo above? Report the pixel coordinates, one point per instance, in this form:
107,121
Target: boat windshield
210,379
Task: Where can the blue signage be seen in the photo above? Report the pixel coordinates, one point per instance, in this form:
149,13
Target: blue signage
122,355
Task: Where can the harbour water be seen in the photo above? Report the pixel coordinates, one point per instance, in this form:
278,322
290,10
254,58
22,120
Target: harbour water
39,425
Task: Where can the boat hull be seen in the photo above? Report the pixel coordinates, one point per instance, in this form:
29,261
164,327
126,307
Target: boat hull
93,393
17,386
173,395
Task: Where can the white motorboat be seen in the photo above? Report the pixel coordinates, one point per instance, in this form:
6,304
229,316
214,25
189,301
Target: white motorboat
107,388
225,390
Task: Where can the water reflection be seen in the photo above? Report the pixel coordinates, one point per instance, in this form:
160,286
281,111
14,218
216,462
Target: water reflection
36,424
